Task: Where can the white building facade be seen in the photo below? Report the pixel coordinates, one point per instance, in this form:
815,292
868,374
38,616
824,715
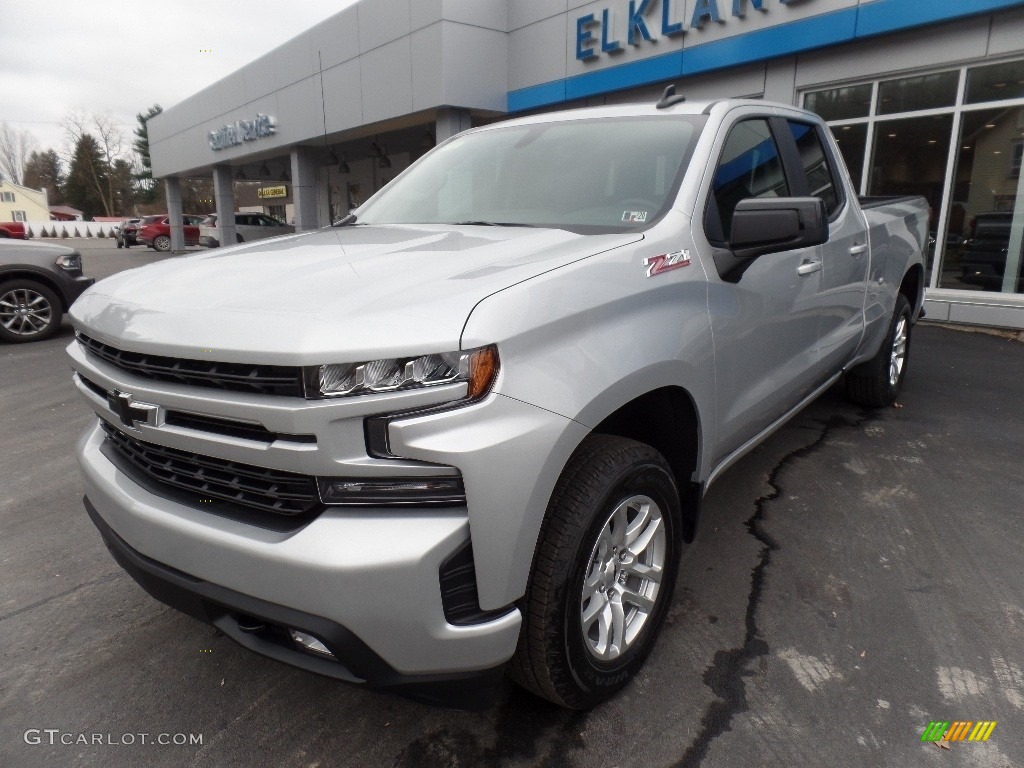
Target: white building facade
925,97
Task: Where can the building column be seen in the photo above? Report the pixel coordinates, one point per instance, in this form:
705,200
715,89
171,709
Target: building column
172,184
304,189
224,199
450,122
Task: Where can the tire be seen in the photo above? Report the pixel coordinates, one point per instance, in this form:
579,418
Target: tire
162,243
565,652
877,382
17,327
119,243
238,238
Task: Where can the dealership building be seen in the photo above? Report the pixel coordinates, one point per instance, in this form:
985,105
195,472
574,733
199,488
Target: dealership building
924,96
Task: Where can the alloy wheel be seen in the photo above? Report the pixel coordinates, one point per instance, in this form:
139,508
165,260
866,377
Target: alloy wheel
621,588
25,312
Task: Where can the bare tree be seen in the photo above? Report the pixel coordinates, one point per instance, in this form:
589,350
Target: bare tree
111,142
15,147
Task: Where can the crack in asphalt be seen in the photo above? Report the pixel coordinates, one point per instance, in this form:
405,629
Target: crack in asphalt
725,675
521,723
59,595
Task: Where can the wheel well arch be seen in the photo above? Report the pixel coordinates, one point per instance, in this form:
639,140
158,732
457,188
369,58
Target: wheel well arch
667,420
39,277
912,286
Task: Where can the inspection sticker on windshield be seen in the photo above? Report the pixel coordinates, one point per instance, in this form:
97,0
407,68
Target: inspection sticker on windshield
634,217
666,261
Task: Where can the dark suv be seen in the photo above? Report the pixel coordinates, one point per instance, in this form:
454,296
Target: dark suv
983,259
127,233
38,283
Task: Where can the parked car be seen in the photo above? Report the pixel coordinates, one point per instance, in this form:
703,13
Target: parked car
468,429
248,227
155,231
13,229
126,234
38,284
984,251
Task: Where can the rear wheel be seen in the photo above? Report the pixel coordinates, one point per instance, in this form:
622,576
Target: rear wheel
878,382
29,311
119,243
603,574
238,238
162,243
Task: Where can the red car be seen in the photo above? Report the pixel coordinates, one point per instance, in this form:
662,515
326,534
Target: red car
15,229
155,231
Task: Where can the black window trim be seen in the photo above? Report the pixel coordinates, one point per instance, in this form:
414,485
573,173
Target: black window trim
793,155
787,171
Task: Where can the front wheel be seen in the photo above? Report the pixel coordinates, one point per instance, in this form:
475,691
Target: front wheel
162,243
29,311
877,383
603,573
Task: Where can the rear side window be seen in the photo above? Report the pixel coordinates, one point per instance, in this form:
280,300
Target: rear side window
750,166
820,179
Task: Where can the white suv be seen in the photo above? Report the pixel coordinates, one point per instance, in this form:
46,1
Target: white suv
248,227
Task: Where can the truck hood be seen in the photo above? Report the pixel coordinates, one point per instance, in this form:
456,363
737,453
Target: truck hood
344,294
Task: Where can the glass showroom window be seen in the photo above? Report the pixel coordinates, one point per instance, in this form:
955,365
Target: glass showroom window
956,138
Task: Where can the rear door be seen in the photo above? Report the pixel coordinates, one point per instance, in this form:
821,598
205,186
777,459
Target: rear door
765,319
845,256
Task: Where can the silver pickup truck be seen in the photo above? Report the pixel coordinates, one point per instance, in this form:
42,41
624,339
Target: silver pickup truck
466,431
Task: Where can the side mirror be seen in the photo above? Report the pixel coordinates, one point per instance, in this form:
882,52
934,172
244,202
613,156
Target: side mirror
773,224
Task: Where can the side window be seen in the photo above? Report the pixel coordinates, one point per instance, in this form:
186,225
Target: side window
750,166
816,165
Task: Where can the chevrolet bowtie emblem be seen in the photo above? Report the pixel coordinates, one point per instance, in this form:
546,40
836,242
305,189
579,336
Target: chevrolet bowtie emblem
129,412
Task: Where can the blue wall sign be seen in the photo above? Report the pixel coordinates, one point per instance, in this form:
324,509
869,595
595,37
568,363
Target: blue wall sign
598,33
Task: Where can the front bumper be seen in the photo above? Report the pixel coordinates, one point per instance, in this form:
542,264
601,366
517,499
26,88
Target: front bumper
262,626
76,286
373,572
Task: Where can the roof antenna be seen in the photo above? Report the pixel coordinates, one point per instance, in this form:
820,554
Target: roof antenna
669,98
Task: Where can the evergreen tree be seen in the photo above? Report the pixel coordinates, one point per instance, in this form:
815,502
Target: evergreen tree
87,176
43,171
141,147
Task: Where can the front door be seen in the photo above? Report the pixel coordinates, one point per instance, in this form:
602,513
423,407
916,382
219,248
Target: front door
765,320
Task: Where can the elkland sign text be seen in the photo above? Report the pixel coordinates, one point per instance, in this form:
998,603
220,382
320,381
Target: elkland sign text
597,33
242,130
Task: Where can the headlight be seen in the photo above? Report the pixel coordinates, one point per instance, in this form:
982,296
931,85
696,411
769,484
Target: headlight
70,263
476,367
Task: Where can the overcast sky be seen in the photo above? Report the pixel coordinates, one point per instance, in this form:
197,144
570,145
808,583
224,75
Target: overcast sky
122,56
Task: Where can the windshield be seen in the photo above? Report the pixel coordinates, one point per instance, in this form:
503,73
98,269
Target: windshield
604,175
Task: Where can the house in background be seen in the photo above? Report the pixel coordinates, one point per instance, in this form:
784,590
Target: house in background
18,203
64,213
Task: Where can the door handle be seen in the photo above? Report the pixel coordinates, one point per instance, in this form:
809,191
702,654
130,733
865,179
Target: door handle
857,250
808,268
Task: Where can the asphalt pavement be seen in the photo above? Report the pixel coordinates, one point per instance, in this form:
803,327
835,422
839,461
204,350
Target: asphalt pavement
857,576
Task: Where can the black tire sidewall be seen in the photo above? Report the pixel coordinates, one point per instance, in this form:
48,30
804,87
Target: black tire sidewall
597,680
56,312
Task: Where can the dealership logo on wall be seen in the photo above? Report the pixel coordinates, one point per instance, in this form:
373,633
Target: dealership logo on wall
597,33
242,130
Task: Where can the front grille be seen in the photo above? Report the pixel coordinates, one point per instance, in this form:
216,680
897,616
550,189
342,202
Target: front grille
231,428
214,424
238,377
267,490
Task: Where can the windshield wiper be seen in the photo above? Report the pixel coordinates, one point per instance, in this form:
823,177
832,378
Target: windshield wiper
492,224
350,219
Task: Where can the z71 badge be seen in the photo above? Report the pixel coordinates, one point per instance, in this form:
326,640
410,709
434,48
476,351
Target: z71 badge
666,262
